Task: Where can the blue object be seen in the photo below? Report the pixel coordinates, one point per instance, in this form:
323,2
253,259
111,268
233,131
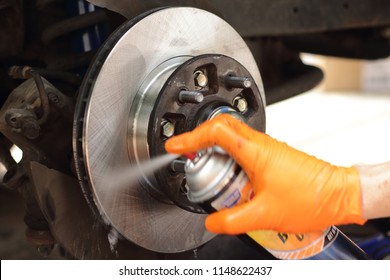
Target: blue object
378,246
90,38
341,248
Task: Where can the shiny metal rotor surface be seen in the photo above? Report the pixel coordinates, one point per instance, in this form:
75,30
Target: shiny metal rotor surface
101,126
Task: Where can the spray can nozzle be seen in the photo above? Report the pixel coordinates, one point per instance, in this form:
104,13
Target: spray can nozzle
190,156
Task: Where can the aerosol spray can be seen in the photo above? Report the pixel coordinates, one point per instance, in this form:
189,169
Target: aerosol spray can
215,181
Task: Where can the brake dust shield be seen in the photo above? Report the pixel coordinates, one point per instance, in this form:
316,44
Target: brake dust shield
103,114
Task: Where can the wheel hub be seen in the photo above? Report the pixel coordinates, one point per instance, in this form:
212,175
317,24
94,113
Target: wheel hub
197,90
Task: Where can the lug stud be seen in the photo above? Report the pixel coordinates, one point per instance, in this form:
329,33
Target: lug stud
237,82
178,165
187,96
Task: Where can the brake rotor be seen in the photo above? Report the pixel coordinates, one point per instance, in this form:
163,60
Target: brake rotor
114,114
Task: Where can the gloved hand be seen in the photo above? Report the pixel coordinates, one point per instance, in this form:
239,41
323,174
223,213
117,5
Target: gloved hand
294,192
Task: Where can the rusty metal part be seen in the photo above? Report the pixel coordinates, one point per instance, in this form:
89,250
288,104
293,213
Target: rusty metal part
20,72
24,122
26,72
31,125
21,113
19,124
45,107
40,237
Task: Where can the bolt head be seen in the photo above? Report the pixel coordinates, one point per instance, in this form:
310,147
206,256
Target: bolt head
201,79
31,129
241,104
168,129
53,97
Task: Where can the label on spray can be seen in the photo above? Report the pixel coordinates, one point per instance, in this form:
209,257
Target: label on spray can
234,194
281,245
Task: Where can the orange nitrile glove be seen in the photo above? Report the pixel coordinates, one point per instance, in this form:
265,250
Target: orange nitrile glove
294,192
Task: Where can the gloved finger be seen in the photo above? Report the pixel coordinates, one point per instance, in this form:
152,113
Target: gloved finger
239,219
225,131
201,137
